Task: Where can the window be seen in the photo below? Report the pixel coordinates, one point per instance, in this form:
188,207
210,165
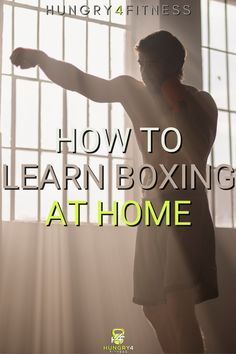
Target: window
33,108
219,78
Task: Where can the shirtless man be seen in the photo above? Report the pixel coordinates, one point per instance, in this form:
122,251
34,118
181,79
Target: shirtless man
173,272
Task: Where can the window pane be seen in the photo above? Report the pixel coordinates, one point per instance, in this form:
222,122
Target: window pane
118,122
205,69
117,52
98,120
50,36
6,160
209,160
51,40
98,50
232,81
234,205
95,194
28,2
210,201
76,114
6,110
118,14
26,114
217,24
233,138
118,195
26,201
231,19
75,42
45,3
50,193
223,207
93,5
7,39
218,78
25,37
222,144
204,19
73,193
51,115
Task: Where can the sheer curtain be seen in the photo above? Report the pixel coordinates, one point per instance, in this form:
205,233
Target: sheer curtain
62,290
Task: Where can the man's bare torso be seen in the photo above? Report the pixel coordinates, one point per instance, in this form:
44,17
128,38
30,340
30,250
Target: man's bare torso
193,119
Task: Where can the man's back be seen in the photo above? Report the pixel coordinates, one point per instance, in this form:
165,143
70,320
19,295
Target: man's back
183,107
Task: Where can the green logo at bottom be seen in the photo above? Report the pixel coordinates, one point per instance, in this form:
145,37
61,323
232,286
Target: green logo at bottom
118,336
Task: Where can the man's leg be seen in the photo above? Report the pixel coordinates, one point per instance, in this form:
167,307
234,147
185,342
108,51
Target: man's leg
161,322
182,314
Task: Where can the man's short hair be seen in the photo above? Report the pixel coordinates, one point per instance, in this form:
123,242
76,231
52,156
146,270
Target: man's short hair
163,46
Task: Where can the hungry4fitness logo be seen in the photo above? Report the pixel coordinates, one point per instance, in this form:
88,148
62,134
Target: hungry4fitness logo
117,340
118,336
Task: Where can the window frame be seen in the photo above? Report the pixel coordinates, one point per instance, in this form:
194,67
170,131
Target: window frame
208,48
39,150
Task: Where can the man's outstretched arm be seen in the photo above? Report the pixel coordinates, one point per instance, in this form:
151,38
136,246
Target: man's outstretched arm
71,78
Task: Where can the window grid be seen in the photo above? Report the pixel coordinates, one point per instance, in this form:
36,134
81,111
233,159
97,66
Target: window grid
39,150
210,49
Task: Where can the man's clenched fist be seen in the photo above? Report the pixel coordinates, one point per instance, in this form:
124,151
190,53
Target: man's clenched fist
26,58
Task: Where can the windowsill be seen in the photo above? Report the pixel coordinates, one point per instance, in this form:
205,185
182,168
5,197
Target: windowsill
70,224
91,224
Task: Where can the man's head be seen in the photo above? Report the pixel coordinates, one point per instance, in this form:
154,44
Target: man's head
161,55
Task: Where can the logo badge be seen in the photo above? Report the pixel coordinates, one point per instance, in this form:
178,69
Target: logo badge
118,336
117,343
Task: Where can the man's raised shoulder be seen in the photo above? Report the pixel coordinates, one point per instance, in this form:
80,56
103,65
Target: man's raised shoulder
125,87
207,103
204,99
127,80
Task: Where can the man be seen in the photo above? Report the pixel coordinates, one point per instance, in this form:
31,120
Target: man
174,267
